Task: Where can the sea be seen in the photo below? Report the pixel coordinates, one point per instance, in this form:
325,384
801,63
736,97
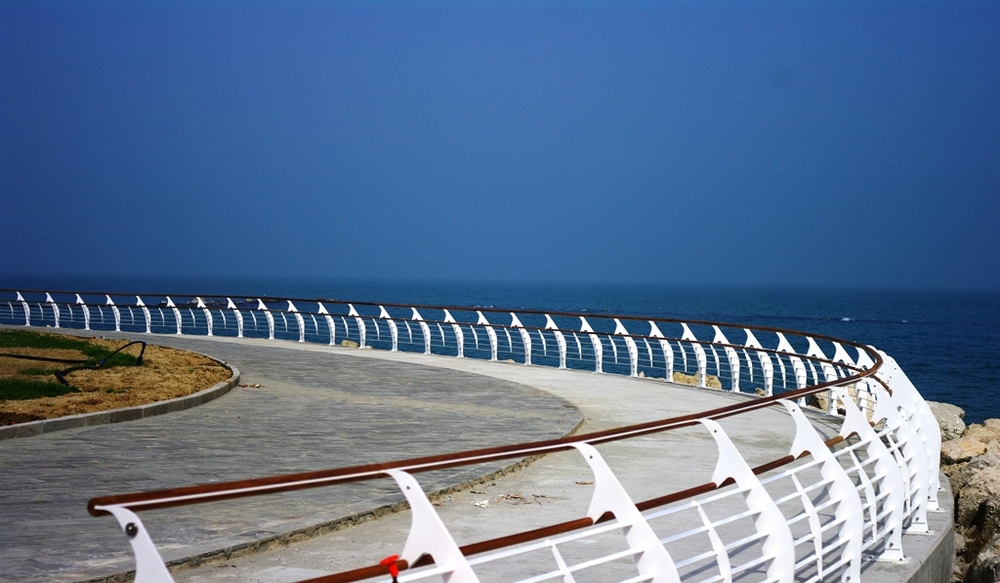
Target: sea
947,341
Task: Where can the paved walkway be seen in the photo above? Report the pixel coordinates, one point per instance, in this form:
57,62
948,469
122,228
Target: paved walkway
328,407
315,410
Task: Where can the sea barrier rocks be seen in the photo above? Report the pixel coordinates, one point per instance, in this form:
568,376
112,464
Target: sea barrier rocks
971,460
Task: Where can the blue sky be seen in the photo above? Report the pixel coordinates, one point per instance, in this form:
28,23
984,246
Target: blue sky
788,143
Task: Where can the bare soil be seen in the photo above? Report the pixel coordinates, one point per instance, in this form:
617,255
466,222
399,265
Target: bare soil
165,373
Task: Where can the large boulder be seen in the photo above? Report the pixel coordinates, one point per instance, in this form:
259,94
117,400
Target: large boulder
986,567
949,418
983,487
985,433
960,450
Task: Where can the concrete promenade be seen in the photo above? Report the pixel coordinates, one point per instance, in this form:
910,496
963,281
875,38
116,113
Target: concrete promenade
322,407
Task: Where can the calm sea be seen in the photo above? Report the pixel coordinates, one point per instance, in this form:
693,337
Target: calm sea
948,342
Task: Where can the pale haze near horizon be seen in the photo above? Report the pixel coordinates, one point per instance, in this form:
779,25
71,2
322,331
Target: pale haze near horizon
763,143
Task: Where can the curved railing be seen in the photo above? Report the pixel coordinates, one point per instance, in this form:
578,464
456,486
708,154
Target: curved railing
808,516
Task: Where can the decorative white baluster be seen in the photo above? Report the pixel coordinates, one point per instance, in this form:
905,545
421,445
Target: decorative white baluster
429,536
596,343
668,353
887,473
459,336
54,307
849,512
919,417
560,339
633,351
27,310
177,313
732,356
230,305
118,315
209,323
149,567
699,353
362,330
298,320
145,314
912,457
766,365
424,329
482,321
609,496
261,307
777,543
393,330
525,337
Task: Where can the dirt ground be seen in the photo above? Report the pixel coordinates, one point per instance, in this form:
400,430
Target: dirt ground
166,373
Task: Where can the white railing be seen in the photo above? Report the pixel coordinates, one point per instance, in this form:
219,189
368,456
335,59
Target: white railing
814,515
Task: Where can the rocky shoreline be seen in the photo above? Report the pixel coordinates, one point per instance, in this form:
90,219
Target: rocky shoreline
970,457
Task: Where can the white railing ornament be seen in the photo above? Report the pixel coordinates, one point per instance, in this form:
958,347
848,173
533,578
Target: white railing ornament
145,314
920,418
653,560
457,330
262,307
149,567
362,330
86,311
668,352
298,321
890,479
424,329
525,337
732,356
490,332
633,352
595,342
55,308
910,456
209,323
429,536
777,544
230,305
699,353
27,310
849,512
560,339
393,330
177,313
118,315
766,364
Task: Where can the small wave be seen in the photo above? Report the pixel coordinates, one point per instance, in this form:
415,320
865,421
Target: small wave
845,319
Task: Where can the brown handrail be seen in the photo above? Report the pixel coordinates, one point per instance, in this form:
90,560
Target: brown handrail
187,495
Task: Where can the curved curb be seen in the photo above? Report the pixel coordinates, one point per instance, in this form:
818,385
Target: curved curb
33,428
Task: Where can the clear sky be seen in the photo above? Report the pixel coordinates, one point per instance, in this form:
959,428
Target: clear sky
792,143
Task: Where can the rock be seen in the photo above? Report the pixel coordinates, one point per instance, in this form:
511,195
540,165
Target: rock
711,381
966,470
993,424
961,450
983,433
986,567
348,343
949,418
642,375
979,502
959,543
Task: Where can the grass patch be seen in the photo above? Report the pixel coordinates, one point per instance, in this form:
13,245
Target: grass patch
18,389
29,339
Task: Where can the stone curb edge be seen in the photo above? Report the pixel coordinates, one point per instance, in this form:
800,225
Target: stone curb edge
33,428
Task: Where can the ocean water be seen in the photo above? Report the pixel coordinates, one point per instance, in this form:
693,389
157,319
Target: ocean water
948,342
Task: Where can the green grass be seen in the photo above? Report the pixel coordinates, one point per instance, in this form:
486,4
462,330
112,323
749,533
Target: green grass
28,339
18,389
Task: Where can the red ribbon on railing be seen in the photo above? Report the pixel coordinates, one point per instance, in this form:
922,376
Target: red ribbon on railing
390,562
